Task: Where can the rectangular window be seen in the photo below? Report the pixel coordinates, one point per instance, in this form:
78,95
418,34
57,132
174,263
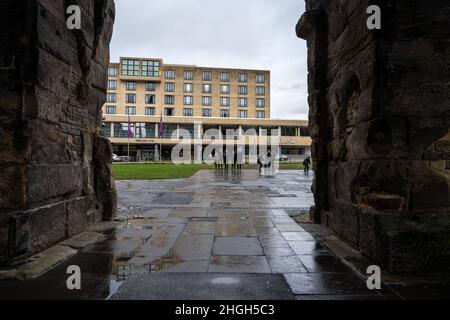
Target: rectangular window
260,103
225,77
207,88
111,98
260,91
188,88
225,89
112,72
169,74
224,113
188,112
145,130
242,77
243,90
150,99
188,100
150,68
242,113
207,76
110,110
169,87
131,67
260,78
224,102
150,111
169,112
130,111
112,85
188,75
207,113
150,86
206,101
130,98
242,102
260,114
131,85
170,100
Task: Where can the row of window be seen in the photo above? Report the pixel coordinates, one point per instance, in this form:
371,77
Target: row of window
187,100
187,112
150,68
150,130
187,88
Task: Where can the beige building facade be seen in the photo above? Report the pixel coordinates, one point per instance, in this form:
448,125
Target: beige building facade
192,101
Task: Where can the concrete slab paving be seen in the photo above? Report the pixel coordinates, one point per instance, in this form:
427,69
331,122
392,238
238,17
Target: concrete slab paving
239,264
237,246
181,286
215,235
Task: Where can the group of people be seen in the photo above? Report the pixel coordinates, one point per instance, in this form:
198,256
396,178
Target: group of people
222,161
265,161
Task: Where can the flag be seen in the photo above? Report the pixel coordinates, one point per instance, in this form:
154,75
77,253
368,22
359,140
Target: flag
161,127
130,133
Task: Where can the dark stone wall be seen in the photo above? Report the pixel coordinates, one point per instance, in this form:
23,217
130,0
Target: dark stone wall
380,122
55,175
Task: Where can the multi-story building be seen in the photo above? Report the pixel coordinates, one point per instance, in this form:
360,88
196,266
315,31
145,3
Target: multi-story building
141,91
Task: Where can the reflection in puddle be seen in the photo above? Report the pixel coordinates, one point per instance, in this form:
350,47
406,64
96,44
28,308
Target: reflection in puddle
122,270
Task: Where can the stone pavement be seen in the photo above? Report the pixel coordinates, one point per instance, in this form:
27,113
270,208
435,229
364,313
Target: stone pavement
216,235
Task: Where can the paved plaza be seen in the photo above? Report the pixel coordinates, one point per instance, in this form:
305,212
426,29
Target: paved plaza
216,235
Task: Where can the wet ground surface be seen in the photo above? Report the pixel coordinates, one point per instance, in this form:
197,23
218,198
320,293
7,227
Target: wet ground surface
212,236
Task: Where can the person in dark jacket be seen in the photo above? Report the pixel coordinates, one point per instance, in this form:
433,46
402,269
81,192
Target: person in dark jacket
307,164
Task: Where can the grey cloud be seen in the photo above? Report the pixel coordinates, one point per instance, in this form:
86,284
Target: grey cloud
256,34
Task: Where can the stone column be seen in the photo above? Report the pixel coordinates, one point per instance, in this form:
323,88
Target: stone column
56,168
379,119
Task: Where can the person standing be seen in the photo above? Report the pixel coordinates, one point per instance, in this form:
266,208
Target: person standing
306,164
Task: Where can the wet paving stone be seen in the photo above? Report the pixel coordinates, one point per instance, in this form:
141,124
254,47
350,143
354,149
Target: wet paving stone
237,246
180,234
267,232
273,241
126,234
291,227
125,247
235,228
327,284
297,236
286,264
206,228
239,264
221,286
322,263
193,247
174,198
308,248
192,266
278,252
262,223
188,213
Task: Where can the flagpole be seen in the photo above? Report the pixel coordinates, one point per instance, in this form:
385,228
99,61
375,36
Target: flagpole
161,131
129,133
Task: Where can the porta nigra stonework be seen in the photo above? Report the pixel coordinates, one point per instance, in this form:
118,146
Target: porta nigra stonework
379,120
55,176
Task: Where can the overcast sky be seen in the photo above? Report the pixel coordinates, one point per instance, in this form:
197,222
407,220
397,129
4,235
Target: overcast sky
254,34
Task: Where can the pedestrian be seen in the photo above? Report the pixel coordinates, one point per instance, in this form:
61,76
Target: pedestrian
306,164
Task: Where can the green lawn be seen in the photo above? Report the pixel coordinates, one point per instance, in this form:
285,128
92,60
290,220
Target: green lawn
171,171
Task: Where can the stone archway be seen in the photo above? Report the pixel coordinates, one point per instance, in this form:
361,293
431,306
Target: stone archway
55,176
379,119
